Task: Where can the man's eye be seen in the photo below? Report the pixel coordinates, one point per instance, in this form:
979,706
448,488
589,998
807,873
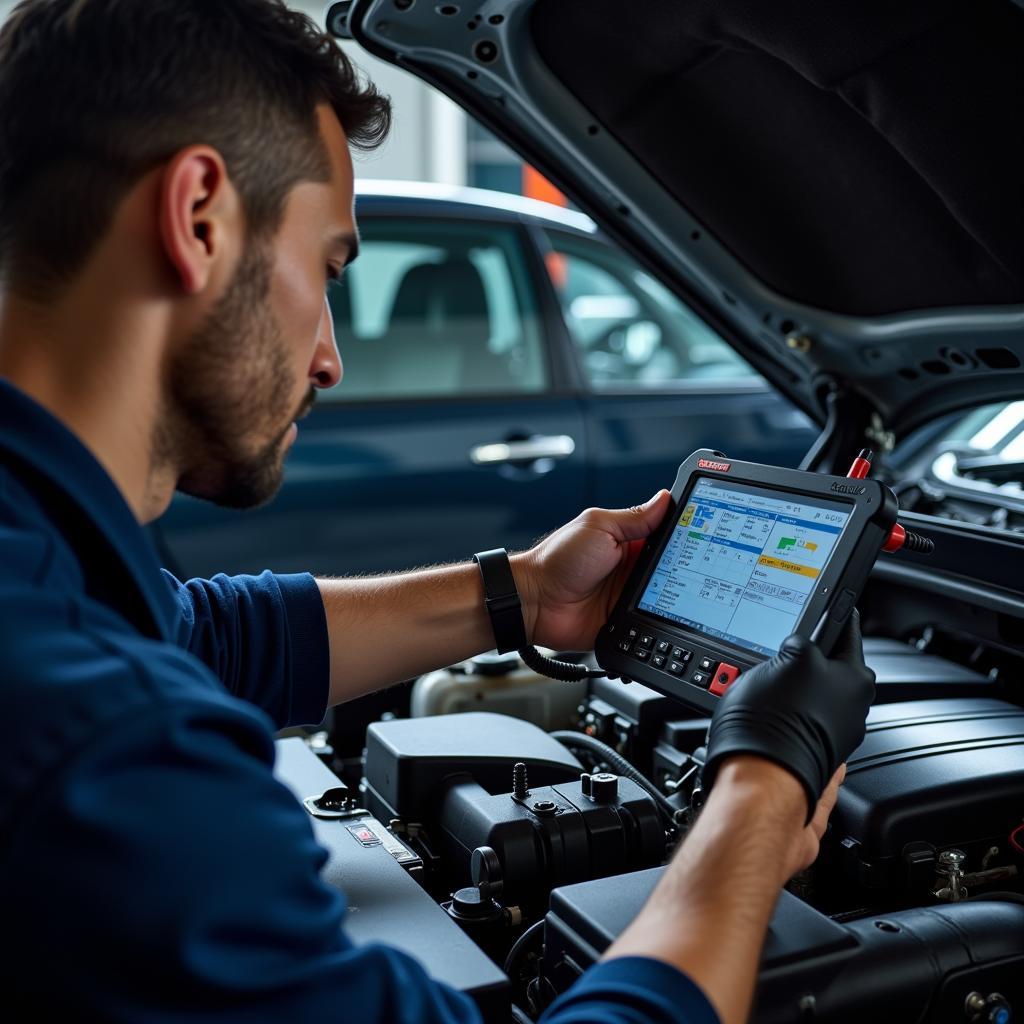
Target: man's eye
334,273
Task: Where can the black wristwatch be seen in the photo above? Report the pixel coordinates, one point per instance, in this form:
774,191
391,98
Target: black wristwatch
501,597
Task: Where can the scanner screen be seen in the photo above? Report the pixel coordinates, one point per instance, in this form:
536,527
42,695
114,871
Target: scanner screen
743,561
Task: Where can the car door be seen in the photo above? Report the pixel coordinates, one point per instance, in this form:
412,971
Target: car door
659,383
448,433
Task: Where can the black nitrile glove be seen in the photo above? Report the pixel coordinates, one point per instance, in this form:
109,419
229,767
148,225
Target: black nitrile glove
800,709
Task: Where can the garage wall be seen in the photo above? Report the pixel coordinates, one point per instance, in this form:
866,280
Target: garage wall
429,138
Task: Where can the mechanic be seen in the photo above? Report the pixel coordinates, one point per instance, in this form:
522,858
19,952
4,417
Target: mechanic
175,190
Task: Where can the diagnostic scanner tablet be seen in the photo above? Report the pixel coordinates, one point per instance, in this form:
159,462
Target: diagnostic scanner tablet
747,555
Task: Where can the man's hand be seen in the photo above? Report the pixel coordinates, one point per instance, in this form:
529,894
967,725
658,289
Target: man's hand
571,580
800,709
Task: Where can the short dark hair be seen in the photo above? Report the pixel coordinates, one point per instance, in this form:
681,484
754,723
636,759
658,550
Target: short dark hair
95,93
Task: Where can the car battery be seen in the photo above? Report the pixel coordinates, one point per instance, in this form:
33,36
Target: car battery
930,776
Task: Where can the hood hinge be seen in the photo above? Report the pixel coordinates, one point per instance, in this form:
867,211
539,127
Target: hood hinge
852,423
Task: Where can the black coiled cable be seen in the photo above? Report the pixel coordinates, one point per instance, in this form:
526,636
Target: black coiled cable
563,671
915,542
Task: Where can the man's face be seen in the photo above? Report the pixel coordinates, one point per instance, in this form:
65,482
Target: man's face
253,367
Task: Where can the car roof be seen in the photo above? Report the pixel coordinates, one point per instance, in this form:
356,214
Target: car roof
469,201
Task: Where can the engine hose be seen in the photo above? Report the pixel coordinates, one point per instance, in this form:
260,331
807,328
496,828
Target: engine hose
1005,897
563,671
619,763
915,542
518,946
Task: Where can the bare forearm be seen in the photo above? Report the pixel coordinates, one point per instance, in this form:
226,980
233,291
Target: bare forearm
385,629
389,628
710,912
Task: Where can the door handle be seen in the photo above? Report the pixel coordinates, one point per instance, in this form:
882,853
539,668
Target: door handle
532,449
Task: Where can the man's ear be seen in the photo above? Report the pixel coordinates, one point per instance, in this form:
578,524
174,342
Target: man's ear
198,204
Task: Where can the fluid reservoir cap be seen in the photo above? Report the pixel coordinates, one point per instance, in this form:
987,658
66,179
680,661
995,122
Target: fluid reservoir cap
470,903
485,870
604,787
495,664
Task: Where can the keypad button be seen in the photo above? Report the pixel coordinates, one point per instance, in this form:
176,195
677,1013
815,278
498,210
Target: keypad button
677,668
725,676
658,660
681,654
642,653
646,640
625,645
632,632
706,665
663,647
700,679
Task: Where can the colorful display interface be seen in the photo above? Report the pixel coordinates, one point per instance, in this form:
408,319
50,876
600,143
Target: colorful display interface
742,562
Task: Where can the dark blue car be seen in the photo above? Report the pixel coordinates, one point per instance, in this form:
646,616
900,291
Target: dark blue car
505,367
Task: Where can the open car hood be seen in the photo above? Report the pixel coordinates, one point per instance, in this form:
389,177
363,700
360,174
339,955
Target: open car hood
837,186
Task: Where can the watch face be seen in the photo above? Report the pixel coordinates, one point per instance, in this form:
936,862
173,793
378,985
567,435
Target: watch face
743,561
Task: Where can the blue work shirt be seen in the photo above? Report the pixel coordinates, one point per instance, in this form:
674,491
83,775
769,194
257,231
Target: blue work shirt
152,867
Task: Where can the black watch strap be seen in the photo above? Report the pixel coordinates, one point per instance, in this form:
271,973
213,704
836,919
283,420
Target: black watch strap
501,598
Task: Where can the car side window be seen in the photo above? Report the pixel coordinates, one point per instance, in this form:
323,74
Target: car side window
628,327
436,309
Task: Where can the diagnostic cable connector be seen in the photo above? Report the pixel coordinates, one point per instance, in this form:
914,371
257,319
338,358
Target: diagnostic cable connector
899,536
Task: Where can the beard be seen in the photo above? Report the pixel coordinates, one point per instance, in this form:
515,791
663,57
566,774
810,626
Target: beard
229,386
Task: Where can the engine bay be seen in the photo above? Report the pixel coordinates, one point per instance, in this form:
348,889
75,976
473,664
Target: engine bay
531,831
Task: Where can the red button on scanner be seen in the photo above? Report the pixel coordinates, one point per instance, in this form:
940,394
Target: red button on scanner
725,676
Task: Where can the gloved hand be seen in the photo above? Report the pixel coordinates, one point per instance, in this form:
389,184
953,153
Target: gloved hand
800,709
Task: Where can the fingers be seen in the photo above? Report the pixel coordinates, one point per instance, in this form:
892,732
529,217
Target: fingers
640,521
827,802
794,646
850,646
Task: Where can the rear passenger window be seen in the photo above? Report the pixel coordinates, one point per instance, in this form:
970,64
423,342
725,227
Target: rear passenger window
435,309
629,328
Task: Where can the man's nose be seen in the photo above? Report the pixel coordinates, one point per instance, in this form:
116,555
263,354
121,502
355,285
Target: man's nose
326,370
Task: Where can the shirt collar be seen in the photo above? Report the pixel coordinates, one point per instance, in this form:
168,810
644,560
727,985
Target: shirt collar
57,461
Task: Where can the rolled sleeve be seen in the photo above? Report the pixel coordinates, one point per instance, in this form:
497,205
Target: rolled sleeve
311,658
264,637
632,990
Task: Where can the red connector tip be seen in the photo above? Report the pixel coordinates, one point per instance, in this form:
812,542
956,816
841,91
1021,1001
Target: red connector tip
896,539
861,465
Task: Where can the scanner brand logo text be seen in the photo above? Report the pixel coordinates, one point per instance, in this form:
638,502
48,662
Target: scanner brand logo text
849,488
722,467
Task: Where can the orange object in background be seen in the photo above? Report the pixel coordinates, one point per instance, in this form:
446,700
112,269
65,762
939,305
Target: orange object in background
558,269
536,186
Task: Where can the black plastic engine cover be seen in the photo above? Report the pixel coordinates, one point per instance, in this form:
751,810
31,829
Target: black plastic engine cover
949,773
910,966
408,759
